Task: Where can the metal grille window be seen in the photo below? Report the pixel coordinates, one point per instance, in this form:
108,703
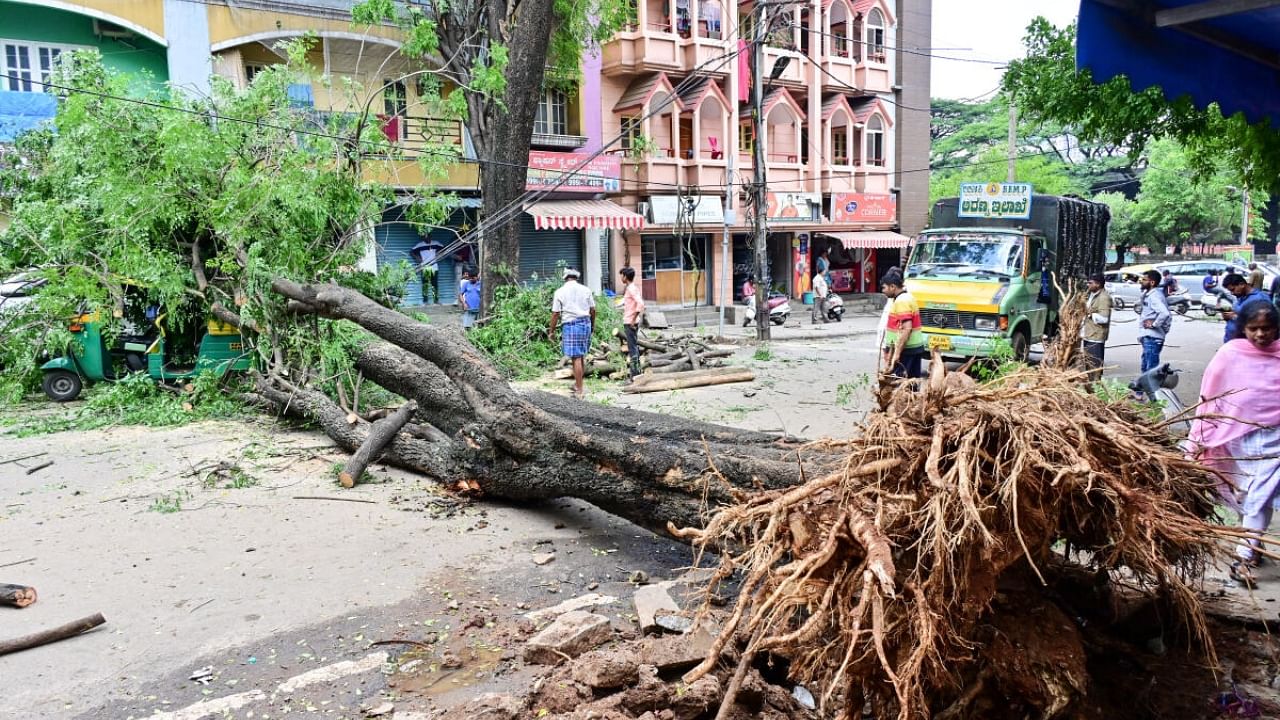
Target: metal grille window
553,114
28,66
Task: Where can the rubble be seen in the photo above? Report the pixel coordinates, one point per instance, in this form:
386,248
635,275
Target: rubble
570,635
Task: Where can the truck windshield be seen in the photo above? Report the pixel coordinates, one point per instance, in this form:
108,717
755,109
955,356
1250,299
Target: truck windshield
986,254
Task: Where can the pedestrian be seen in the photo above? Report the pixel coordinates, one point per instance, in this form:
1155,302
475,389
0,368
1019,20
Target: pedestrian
573,308
1275,290
884,316
822,265
469,298
904,344
1256,279
1237,425
1243,294
820,291
1154,319
1097,326
424,255
632,311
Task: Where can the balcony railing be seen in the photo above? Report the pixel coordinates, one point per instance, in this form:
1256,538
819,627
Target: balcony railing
558,140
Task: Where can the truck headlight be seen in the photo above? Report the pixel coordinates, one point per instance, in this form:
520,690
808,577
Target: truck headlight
988,324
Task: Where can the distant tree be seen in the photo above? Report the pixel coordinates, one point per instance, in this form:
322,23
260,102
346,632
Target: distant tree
1047,174
1180,207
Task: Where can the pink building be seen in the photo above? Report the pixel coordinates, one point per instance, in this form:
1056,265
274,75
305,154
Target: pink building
675,87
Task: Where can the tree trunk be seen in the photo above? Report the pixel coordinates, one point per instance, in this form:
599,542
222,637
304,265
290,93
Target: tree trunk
650,469
18,596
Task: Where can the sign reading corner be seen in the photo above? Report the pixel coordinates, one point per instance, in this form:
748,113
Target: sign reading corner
995,200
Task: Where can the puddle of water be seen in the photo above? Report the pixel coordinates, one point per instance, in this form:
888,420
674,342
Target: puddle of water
429,678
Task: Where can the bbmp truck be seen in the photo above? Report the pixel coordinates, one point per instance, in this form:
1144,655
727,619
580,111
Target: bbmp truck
986,285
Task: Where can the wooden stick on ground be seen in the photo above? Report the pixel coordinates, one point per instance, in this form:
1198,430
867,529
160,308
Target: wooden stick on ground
696,378
53,635
380,435
18,596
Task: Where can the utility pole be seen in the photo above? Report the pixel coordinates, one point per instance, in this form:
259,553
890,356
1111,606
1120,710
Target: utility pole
1244,219
763,281
1013,142
726,273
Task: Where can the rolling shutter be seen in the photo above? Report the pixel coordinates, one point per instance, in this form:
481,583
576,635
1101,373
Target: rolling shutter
395,238
542,252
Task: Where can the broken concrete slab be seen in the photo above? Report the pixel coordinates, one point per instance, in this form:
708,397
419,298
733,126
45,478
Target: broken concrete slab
582,602
673,622
606,669
651,600
543,558
675,652
571,635
490,706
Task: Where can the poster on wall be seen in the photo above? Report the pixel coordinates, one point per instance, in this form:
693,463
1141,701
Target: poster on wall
863,208
1239,254
793,206
995,200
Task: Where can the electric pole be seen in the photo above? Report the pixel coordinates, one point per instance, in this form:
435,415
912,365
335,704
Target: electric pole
763,281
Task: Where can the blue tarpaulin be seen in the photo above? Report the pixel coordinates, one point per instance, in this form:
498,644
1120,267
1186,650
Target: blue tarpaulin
23,111
1215,51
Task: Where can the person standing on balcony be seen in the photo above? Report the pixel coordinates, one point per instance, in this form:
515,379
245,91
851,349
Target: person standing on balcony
424,255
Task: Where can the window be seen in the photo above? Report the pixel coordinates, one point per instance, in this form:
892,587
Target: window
553,114
251,71
875,141
875,36
746,139
395,108
27,66
630,132
839,39
840,145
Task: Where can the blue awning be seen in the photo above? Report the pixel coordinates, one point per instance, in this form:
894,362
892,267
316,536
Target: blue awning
23,111
1223,51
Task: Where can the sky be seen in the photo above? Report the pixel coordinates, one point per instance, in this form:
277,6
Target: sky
983,30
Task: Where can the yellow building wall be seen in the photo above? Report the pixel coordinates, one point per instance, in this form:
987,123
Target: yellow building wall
227,24
408,174
145,14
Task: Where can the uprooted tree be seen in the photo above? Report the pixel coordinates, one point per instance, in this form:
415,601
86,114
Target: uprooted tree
922,551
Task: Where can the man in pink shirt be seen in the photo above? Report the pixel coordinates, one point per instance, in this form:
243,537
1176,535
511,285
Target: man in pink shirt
632,309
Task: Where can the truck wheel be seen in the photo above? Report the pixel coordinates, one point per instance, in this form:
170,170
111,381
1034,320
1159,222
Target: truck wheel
61,385
1021,343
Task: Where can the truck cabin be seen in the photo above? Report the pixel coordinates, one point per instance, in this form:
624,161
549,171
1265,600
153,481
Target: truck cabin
978,254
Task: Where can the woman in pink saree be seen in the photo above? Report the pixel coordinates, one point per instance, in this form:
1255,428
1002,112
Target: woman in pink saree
1237,428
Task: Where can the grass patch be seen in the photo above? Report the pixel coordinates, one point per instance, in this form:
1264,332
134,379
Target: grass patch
764,353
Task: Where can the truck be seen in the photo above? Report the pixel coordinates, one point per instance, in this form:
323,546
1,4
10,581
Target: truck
986,286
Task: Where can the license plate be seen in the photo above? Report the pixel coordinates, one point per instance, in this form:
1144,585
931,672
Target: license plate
939,342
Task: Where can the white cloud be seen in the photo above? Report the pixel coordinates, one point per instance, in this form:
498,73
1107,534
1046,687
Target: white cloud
983,30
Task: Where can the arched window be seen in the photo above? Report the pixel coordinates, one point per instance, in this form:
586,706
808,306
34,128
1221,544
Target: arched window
875,35
875,141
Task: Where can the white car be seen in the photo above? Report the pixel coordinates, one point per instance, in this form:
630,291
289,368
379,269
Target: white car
18,290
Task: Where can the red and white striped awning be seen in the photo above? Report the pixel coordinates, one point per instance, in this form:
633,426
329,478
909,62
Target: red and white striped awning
583,215
870,239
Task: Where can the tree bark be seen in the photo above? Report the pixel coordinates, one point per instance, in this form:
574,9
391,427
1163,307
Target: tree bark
45,637
650,469
18,596
380,433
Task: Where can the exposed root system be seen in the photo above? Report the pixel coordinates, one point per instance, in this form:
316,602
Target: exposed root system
915,580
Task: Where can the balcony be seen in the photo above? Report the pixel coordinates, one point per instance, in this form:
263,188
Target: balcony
706,56
796,72
557,142
839,179
653,49
706,172
840,71
872,75
412,132
662,168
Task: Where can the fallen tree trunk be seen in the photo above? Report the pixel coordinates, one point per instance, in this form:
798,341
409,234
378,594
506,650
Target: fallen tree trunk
44,637
692,378
650,469
18,596
380,433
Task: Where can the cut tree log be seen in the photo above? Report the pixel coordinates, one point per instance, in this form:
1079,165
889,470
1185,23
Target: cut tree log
693,378
18,596
380,433
52,635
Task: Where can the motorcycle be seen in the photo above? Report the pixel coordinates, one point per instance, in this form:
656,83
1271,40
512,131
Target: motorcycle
779,309
1215,301
1179,302
1156,386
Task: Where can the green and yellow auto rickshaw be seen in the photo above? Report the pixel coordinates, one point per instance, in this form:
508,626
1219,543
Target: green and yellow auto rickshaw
142,346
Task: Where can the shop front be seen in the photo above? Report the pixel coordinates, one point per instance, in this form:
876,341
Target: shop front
677,263
859,244
398,234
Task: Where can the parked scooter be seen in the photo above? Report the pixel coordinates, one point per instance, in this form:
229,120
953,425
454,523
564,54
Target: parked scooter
834,307
779,309
1179,302
1157,386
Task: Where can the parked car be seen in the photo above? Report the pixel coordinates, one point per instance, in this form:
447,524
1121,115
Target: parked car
18,290
1125,292
1190,273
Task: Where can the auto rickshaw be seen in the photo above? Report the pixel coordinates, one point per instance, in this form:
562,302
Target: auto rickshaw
143,346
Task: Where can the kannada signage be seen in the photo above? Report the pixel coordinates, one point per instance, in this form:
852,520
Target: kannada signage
601,174
995,200
706,209
792,206
863,208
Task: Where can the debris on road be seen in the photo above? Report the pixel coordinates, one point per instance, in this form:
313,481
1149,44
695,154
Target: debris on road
570,635
53,635
18,596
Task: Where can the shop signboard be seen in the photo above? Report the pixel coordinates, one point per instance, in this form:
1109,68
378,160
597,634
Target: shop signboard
600,174
1239,254
665,209
792,206
995,200
863,208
